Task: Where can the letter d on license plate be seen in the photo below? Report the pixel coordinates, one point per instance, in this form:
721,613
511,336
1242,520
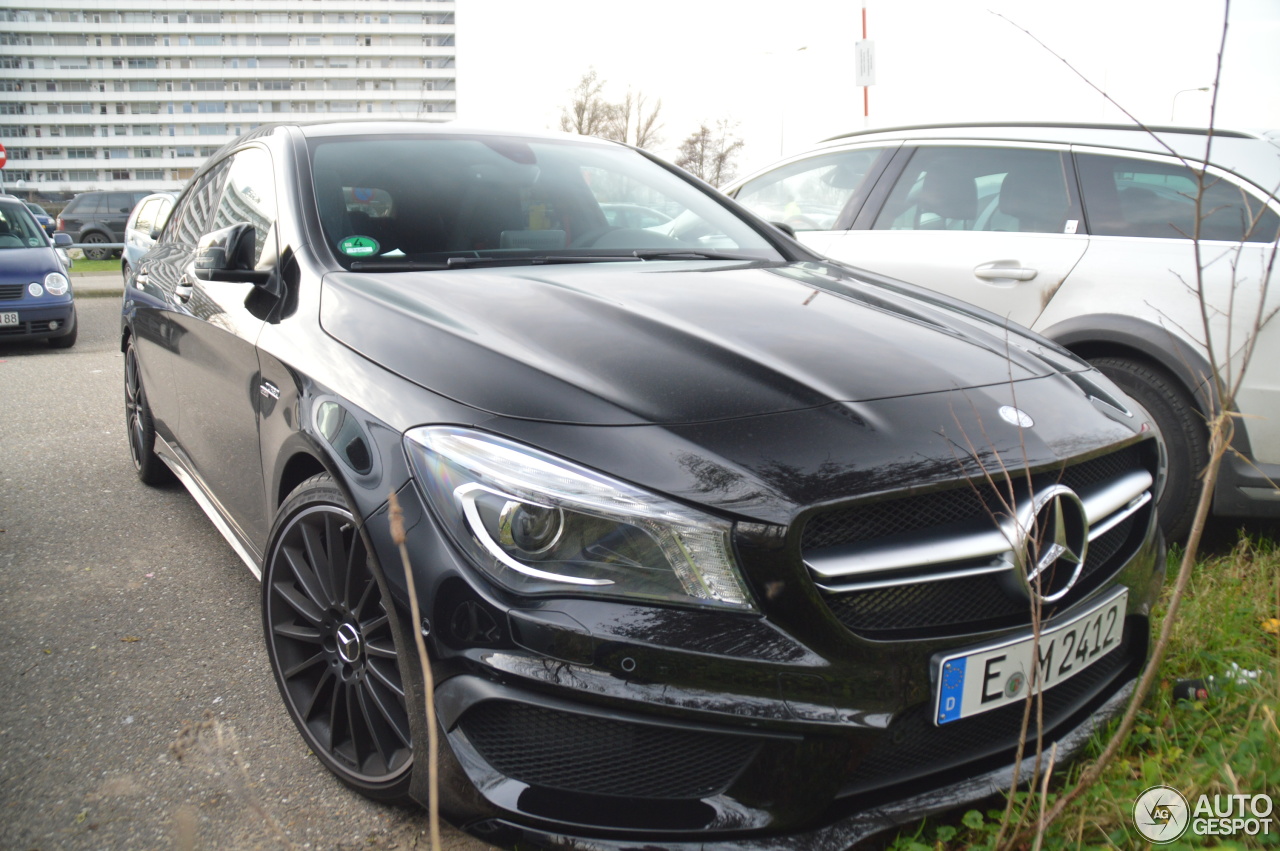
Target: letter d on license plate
986,678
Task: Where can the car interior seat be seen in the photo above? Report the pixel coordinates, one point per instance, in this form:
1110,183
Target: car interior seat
951,195
1036,197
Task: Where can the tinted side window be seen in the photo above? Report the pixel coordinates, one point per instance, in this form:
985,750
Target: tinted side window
146,216
119,202
1130,197
191,219
810,194
249,196
85,206
972,188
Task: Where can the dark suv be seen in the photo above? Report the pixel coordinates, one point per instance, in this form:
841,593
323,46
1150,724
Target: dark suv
99,217
713,541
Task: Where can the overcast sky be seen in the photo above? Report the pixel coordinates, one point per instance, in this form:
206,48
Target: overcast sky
785,71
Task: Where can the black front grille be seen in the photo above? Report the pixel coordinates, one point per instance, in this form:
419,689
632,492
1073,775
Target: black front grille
969,502
915,609
601,756
9,292
914,746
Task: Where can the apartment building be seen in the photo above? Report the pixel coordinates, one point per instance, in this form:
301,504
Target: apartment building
134,95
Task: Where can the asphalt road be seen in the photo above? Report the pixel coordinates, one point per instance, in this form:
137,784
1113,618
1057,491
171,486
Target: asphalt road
137,708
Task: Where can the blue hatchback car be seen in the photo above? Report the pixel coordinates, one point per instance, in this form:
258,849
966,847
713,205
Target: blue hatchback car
35,293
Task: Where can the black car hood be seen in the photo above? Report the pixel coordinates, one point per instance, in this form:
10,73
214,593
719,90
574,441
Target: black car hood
665,343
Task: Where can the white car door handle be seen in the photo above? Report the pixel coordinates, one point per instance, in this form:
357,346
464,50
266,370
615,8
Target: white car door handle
1004,270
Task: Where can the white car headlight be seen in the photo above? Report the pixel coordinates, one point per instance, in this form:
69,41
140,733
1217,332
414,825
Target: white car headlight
538,524
56,283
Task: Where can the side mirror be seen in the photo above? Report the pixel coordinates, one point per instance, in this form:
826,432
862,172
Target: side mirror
228,255
785,228
63,240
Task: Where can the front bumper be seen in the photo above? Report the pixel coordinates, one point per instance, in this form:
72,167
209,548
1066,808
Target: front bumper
592,723
845,830
34,322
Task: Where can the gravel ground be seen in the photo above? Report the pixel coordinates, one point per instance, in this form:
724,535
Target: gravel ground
137,709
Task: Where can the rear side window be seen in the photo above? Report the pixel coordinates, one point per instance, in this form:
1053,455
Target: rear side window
119,202
1132,197
85,205
976,188
810,194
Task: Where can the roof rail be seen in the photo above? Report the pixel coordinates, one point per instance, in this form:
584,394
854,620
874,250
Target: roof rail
1157,128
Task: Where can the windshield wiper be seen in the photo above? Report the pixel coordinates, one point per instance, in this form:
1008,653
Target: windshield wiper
685,254
471,262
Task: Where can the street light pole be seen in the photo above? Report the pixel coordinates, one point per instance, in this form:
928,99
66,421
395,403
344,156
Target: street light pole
1173,110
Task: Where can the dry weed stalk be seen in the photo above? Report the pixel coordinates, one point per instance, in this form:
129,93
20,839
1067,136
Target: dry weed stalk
428,684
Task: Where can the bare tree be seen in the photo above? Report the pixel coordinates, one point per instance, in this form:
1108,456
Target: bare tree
647,123
588,113
709,154
633,120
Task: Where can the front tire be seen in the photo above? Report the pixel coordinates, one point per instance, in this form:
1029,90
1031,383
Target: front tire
1178,421
333,648
140,425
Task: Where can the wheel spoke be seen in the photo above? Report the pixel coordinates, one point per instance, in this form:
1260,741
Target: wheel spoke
316,559
392,684
378,650
326,677
394,715
311,662
288,592
297,632
308,582
372,727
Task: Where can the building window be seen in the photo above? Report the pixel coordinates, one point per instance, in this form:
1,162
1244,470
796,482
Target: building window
82,174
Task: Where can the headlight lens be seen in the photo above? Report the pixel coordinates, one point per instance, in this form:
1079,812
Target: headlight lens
56,283
538,524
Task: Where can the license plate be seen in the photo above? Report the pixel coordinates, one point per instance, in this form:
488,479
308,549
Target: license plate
978,681
10,318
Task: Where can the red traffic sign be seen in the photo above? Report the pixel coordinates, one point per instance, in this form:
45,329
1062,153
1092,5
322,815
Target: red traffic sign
4,158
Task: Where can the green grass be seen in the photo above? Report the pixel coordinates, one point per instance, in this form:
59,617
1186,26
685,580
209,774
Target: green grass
1227,744
95,266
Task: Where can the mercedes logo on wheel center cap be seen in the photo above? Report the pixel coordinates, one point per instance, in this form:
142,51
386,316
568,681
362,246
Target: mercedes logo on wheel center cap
349,646
1052,538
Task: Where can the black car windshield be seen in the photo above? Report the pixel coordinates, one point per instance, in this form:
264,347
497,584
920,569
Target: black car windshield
18,229
438,202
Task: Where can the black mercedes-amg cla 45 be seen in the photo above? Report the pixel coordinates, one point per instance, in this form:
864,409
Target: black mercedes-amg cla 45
714,540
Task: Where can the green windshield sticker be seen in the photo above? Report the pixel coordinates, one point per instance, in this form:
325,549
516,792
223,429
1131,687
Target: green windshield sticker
358,246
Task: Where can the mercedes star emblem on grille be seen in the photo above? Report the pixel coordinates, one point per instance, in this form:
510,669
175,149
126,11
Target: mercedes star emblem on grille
1052,544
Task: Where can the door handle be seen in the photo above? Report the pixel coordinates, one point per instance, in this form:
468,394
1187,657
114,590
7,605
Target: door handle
1004,270
182,292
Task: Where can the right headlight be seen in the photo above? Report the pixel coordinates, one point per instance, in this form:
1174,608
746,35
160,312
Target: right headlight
538,524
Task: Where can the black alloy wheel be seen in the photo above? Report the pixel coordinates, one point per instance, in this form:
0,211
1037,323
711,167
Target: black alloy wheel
95,253
141,427
332,646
